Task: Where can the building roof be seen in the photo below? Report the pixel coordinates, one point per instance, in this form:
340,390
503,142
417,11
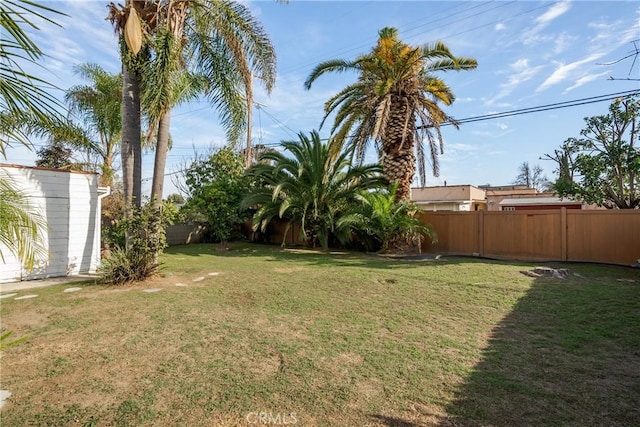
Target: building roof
530,201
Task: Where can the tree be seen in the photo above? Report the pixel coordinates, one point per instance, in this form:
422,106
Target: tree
217,185
383,224
532,177
603,165
23,97
311,187
99,106
395,91
55,155
133,22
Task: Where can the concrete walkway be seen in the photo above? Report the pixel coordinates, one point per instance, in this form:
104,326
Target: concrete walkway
41,283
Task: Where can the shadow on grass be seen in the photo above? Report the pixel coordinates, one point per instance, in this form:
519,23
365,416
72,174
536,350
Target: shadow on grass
331,258
567,354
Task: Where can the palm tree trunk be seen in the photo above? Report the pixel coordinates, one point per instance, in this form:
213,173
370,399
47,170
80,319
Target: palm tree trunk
162,150
131,147
398,161
106,180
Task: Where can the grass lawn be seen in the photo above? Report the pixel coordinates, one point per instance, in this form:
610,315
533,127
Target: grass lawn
338,339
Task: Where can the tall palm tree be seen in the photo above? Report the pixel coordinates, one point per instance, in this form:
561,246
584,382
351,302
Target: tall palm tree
394,103
133,22
99,106
311,187
217,41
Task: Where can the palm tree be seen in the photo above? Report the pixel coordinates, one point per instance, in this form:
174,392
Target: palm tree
23,97
394,103
133,22
216,41
382,223
311,187
99,106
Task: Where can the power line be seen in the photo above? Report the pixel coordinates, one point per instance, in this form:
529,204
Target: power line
547,107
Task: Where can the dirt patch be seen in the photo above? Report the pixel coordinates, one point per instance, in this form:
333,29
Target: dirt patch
21,320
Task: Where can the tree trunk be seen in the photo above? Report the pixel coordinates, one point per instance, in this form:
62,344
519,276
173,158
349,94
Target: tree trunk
131,145
106,180
162,150
398,160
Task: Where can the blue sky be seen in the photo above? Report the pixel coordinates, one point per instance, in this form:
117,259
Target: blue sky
529,54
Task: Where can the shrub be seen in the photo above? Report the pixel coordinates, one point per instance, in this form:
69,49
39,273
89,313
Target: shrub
139,258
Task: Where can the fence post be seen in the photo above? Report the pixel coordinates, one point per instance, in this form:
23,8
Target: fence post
481,233
563,230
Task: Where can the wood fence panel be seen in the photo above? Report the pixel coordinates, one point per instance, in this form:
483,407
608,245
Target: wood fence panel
611,236
457,232
603,236
523,235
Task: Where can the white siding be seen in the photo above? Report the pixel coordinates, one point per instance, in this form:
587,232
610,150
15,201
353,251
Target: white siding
69,203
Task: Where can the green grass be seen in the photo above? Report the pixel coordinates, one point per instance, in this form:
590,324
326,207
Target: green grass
331,338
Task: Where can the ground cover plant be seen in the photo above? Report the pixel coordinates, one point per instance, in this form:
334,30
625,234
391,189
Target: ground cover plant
321,338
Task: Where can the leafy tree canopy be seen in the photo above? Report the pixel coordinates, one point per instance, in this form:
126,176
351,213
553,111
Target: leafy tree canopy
216,185
602,166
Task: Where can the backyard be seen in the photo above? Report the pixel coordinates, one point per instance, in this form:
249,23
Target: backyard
258,335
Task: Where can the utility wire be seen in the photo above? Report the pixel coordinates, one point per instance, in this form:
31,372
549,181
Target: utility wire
547,107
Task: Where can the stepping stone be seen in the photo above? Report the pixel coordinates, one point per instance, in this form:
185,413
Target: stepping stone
214,274
72,290
198,279
8,295
181,285
4,395
150,290
27,296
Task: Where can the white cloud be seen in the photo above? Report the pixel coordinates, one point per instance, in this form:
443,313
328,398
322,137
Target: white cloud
522,72
563,72
531,36
586,79
500,26
554,11
563,42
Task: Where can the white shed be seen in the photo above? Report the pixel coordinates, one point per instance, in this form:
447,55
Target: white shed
70,201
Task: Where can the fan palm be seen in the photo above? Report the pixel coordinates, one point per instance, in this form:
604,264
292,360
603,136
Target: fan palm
394,103
310,187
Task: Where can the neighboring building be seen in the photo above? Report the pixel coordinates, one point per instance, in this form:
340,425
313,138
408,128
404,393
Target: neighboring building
540,202
492,198
449,198
70,202
496,194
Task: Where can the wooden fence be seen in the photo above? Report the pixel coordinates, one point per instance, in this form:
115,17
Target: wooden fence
611,236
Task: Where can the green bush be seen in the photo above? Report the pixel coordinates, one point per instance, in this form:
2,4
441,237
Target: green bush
138,258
